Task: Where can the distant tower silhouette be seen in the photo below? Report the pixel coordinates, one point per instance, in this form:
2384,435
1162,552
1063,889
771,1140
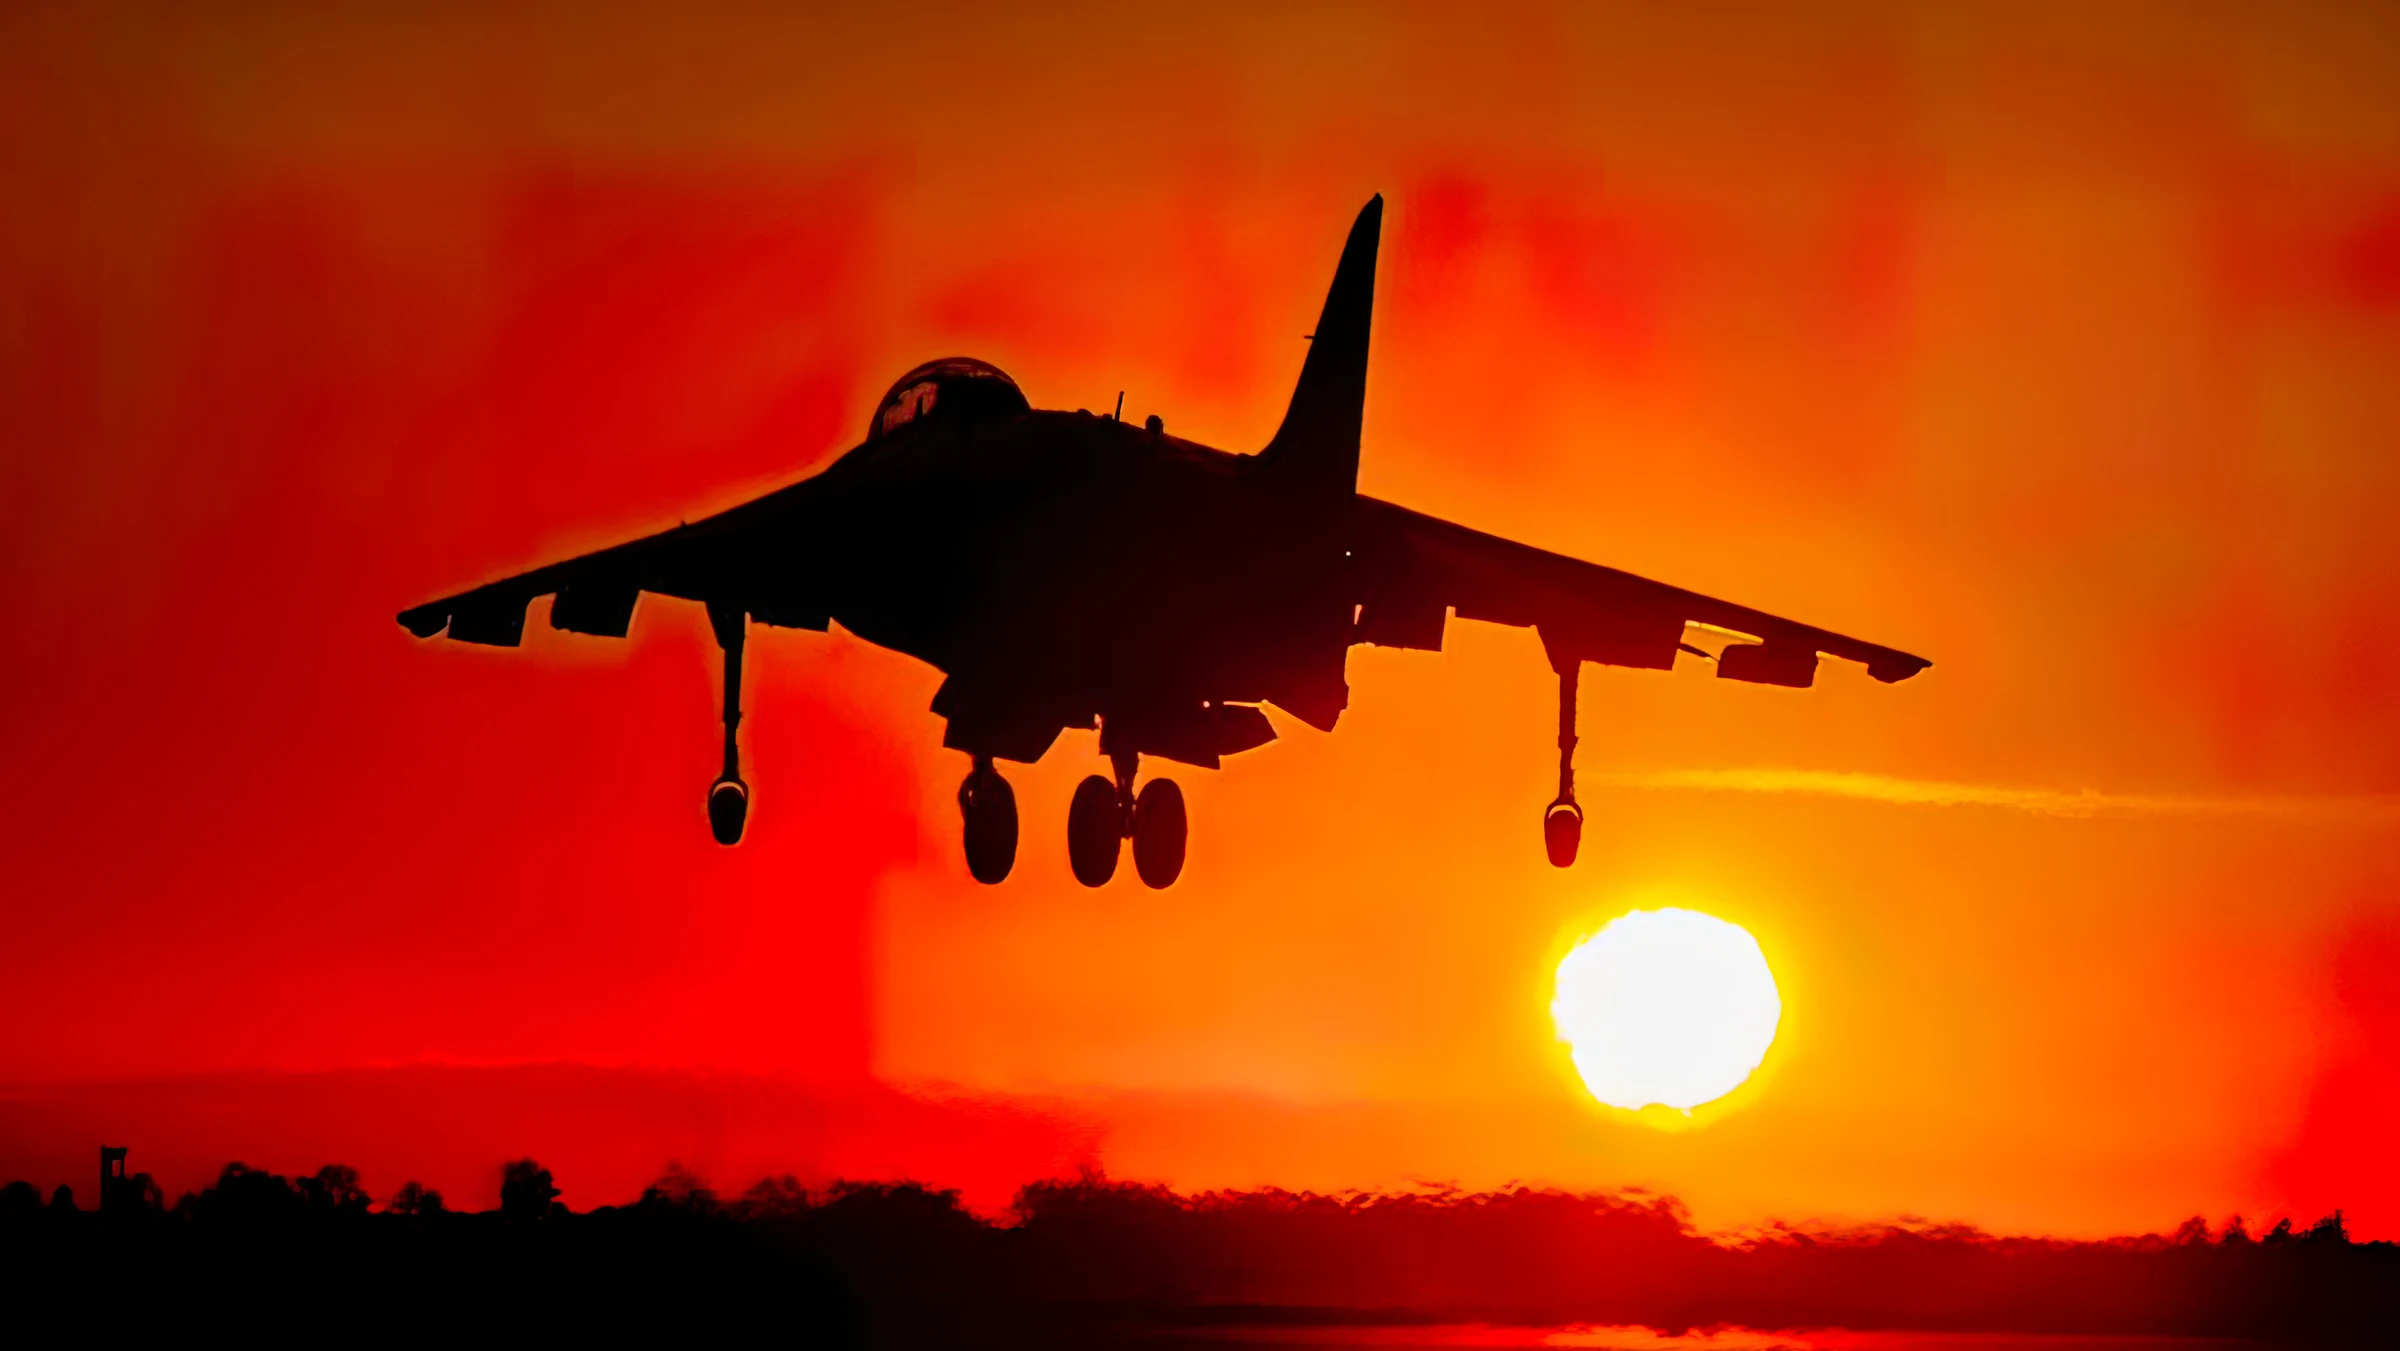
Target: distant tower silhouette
112,1175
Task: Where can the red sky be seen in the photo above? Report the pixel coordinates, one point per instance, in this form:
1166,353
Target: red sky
2055,344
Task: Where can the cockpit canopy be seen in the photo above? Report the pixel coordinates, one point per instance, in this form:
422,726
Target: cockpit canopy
950,387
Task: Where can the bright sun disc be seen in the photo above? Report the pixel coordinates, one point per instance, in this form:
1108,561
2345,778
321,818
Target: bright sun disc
1666,1006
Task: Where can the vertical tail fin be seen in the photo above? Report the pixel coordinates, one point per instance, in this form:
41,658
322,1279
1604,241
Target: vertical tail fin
1313,466
1319,436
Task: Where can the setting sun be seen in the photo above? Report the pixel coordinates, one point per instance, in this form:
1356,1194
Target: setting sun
1669,1007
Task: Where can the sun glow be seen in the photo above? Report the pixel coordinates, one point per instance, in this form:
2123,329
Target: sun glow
1667,1007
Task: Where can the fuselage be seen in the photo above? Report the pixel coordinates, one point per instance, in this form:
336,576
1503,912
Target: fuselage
1062,566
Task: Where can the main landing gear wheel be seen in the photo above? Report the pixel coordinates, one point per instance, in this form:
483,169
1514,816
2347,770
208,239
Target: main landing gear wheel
728,807
987,807
1159,833
1095,831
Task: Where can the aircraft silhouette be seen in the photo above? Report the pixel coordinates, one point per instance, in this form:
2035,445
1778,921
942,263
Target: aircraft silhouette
1065,570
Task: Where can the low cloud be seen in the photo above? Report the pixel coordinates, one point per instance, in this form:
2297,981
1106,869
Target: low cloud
2368,809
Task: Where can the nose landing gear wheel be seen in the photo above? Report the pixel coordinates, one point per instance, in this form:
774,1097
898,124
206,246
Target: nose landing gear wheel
1158,833
728,808
1095,831
1562,832
987,807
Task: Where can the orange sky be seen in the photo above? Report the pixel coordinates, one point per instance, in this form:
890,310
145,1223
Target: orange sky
2053,343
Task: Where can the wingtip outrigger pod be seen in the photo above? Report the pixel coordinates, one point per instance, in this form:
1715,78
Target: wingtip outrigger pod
1897,667
426,620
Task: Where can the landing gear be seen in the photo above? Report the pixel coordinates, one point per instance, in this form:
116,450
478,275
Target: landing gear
728,808
1562,820
1562,832
987,807
1105,814
729,797
1158,834
1095,831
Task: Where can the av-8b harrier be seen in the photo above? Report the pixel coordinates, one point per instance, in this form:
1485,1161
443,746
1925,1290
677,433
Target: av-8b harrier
1066,570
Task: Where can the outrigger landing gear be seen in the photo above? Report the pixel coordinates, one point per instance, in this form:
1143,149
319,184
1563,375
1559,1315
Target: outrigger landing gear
1562,820
987,808
1105,814
729,797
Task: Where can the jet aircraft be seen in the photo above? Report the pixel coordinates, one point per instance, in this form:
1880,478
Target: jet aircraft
1067,570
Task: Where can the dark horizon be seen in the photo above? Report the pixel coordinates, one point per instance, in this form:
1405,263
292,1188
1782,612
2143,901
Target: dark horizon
607,1131
1074,1262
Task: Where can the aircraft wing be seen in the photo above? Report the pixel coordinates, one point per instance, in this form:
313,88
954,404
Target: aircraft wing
596,592
1415,569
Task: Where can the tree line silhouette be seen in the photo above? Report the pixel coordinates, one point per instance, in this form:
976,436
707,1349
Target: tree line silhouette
1092,1261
